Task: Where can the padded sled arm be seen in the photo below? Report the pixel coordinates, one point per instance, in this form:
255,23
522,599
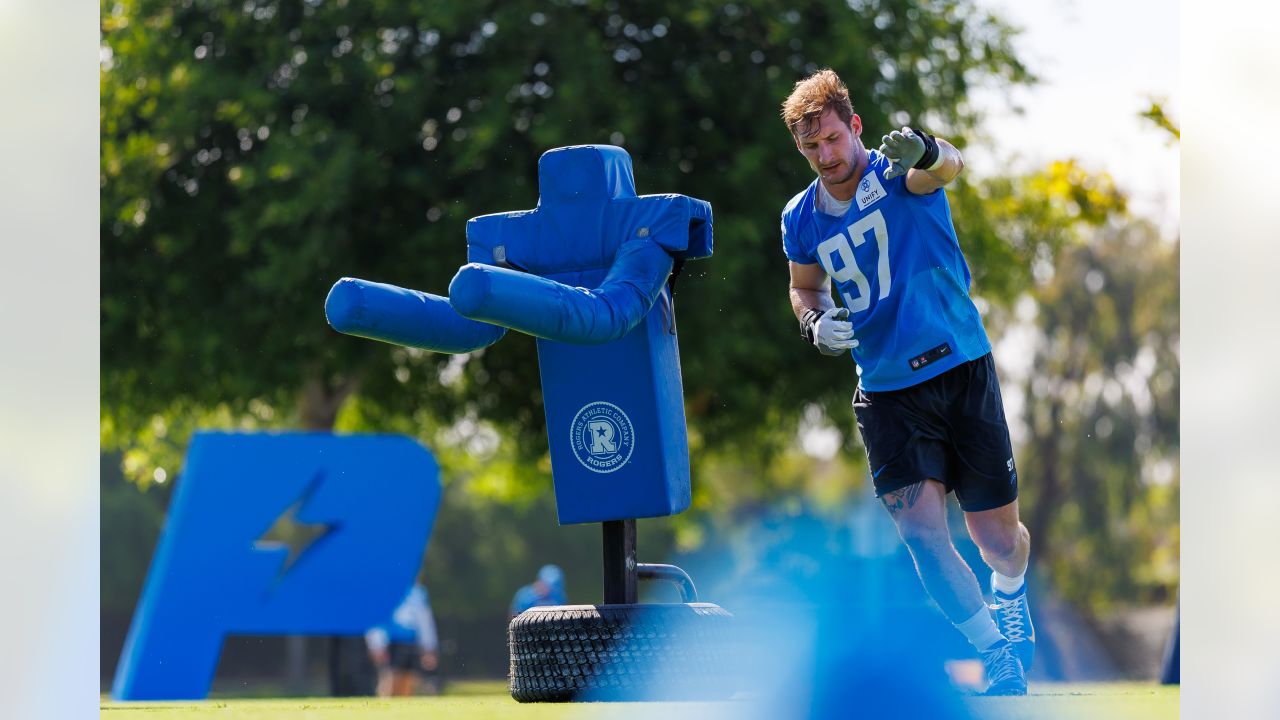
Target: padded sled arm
404,317
556,311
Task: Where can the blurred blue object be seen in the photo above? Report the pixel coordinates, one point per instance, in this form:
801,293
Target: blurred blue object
828,626
373,499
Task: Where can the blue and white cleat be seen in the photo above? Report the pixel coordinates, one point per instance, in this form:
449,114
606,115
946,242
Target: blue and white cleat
1013,617
1004,672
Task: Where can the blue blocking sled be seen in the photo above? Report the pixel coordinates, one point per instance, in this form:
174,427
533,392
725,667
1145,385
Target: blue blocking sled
586,272
370,501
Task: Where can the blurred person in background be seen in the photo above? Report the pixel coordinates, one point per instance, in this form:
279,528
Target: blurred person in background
547,589
405,646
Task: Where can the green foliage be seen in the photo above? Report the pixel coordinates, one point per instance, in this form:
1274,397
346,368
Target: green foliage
1102,406
1156,115
1013,227
1099,319
131,522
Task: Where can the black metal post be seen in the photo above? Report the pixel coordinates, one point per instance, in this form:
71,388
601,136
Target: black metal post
619,562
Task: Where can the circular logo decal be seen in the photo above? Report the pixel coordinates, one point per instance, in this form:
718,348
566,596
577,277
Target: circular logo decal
602,437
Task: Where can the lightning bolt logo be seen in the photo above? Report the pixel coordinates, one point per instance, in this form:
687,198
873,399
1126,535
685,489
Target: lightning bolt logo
299,537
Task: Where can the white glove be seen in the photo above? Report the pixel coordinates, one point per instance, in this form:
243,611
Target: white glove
832,333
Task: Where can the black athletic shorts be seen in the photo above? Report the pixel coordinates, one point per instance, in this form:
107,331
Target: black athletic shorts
405,656
950,428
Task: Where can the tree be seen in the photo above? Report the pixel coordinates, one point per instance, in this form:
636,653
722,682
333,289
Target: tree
1102,411
254,153
1102,405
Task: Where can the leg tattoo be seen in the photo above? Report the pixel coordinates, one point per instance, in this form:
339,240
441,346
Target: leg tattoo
903,499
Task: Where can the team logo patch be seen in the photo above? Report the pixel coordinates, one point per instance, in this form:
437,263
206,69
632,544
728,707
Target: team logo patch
602,437
869,191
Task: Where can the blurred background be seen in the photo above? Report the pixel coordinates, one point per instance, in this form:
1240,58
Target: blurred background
253,153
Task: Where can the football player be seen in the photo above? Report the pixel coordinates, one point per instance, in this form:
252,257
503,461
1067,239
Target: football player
876,224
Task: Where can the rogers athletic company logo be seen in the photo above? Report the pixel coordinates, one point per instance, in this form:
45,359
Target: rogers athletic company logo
602,437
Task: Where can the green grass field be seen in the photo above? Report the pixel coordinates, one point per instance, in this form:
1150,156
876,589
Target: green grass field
482,701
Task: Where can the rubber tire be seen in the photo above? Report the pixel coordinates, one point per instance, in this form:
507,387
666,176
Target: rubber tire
648,651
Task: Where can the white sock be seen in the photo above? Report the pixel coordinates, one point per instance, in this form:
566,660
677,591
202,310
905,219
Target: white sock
1007,585
981,630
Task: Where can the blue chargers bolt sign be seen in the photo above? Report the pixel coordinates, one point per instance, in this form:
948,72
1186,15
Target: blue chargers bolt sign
372,500
602,437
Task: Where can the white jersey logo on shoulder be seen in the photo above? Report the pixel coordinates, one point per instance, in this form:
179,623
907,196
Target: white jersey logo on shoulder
869,190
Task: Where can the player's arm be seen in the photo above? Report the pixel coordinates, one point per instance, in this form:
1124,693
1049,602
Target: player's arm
928,162
821,322
810,289
377,640
947,168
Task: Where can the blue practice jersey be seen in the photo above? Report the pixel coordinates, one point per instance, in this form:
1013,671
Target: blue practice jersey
896,264
411,622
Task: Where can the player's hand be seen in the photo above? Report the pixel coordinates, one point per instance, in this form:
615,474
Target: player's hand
380,658
833,333
429,660
903,148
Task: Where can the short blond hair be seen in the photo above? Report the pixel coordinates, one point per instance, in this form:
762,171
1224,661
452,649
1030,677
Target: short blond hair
813,96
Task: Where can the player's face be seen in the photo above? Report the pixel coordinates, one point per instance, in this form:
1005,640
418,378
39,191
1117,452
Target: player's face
835,151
